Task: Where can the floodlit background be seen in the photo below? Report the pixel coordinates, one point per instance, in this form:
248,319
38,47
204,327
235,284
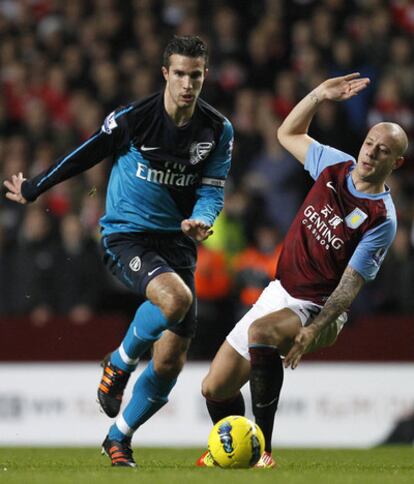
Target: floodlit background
63,67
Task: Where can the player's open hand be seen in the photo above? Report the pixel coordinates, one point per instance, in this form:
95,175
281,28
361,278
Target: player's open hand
303,339
342,88
14,187
196,229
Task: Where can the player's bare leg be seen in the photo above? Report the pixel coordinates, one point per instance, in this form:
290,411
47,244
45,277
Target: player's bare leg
168,301
278,329
169,292
229,371
170,354
269,337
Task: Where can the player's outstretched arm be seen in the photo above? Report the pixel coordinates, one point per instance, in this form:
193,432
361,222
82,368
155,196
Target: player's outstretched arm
293,132
14,187
196,229
339,301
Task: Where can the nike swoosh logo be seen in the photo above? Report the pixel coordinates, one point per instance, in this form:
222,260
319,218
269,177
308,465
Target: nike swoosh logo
154,270
263,405
149,148
329,185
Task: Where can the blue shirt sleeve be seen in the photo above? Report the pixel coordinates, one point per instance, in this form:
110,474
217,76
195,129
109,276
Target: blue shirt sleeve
319,156
372,248
113,135
210,194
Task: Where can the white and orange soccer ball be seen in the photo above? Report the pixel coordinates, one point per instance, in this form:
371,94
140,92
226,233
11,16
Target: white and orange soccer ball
236,442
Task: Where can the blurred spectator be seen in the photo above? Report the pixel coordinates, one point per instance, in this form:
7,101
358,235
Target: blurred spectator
323,30
255,267
286,90
229,229
276,177
330,127
345,60
396,280
213,284
248,140
106,82
389,105
35,263
6,268
262,64
226,26
400,65
78,280
212,275
403,12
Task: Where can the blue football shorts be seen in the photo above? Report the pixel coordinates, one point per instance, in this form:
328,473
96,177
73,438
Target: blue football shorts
136,258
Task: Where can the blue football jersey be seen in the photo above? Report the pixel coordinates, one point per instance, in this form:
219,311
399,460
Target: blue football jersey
161,173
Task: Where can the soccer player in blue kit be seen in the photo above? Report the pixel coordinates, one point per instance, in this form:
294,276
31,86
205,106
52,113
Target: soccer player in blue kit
171,156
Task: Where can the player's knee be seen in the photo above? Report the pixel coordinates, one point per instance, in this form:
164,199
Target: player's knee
208,389
211,389
260,332
176,304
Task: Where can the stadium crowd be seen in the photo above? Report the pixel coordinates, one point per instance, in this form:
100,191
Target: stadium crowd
65,65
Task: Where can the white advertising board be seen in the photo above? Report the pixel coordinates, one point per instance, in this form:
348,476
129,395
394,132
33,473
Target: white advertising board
337,405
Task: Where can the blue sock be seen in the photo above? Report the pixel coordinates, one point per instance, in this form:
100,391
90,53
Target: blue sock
149,395
146,327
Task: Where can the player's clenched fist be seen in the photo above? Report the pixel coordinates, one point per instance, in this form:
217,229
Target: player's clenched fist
196,229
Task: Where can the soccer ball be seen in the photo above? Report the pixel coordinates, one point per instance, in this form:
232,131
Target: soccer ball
236,442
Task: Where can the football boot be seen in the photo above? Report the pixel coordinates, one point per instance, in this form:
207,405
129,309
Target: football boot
120,453
111,388
266,461
205,460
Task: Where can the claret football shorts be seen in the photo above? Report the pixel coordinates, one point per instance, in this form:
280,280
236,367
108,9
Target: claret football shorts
275,298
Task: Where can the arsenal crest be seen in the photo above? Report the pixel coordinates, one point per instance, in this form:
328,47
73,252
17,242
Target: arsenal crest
200,151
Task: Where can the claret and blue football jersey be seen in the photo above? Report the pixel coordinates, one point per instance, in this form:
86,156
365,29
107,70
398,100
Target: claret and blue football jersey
161,173
336,226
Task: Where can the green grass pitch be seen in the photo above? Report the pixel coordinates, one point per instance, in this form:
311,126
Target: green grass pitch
393,465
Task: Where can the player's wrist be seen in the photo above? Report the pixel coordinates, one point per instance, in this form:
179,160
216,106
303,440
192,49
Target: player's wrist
317,95
314,328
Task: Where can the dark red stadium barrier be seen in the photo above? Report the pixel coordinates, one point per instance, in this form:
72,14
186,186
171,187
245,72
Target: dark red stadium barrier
386,338
379,338
60,339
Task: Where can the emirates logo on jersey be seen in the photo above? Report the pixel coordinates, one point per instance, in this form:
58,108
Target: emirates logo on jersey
200,151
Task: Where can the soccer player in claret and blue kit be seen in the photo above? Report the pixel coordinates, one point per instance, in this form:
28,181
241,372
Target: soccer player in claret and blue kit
335,244
171,155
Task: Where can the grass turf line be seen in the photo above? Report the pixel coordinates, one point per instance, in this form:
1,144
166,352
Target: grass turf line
393,465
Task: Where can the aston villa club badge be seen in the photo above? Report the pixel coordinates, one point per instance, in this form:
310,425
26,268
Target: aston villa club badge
356,218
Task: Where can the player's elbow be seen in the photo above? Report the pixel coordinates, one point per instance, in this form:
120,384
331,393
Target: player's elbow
295,143
285,137
280,134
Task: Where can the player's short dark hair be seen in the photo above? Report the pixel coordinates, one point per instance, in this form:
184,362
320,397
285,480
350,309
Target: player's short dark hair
188,45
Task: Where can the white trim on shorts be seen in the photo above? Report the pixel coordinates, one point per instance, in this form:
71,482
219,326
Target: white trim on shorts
274,298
